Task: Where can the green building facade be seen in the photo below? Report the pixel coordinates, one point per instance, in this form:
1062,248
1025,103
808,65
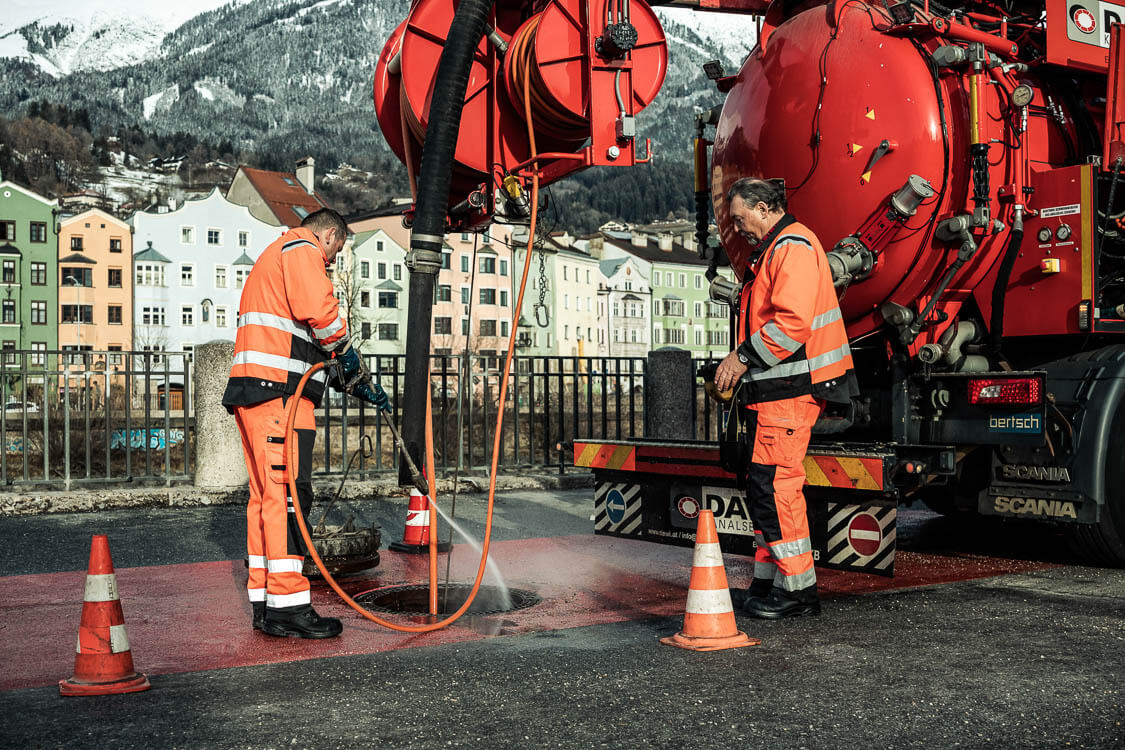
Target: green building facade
29,252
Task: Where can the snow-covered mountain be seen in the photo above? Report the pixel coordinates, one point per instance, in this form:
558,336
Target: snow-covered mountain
63,36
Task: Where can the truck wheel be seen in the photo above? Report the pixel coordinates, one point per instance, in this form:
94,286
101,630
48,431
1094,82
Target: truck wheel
1103,543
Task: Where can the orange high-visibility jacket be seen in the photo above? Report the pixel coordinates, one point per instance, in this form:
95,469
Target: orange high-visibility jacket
791,331
288,320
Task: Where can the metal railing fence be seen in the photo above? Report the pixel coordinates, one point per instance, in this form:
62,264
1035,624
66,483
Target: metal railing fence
74,417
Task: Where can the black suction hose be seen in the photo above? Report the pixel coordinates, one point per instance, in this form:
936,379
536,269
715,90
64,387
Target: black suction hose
1000,294
428,233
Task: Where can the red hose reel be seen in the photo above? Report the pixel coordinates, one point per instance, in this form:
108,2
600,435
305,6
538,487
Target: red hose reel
583,92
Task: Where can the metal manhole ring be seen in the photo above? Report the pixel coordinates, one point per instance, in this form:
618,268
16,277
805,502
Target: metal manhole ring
413,599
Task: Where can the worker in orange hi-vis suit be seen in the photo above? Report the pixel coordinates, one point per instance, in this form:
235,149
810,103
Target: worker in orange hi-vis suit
288,320
792,357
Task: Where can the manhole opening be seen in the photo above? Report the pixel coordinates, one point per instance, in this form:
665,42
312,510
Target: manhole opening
415,599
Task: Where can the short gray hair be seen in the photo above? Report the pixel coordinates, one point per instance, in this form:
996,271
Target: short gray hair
325,219
752,190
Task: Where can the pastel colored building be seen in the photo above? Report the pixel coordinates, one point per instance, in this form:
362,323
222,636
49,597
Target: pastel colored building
95,283
282,199
188,270
624,306
29,254
371,282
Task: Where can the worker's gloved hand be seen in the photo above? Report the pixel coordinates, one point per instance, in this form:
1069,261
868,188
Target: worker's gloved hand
373,394
348,369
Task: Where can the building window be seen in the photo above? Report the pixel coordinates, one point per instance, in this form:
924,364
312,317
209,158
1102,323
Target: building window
39,274
464,326
488,328
187,235
8,231
38,231
220,277
39,312
718,338
151,316
74,276
464,264
566,333
465,291
398,272
76,242
150,274
9,311
189,352
488,296
365,298
656,278
674,308
214,237
699,309
673,336
115,244
503,267
503,298
382,268
587,275
503,328
115,315
10,358
187,275
220,317
187,315
9,272
464,236
444,293
446,260
683,281
389,300
443,325
114,278
243,239
77,314
38,356
388,331
364,269
240,275
488,265
564,279
698,281
566,301
378,246
365,330
205,310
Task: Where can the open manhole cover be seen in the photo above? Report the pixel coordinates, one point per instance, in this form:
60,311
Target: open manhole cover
415,599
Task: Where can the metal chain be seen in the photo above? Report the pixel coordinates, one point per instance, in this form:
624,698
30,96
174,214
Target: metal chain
542,304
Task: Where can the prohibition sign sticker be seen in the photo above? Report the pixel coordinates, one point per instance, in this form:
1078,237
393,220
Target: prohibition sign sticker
688,507
1084,20
864,534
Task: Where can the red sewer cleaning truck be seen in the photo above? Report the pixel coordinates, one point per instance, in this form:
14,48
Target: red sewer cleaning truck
962,161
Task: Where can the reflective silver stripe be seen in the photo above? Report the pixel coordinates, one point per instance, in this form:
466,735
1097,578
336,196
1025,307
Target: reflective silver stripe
782,550
101,587
256,561
796,581
764,570
708,601
780,338
763,351
269,320
795,239
788,369
277,362
256,595
276,601
118,640
296,244
285,565
825,318
336,325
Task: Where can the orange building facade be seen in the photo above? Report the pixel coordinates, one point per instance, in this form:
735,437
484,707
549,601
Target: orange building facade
95,284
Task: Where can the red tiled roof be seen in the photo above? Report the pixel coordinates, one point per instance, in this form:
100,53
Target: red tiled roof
282,197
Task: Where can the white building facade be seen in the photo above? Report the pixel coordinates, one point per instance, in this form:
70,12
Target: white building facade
372,285
189,266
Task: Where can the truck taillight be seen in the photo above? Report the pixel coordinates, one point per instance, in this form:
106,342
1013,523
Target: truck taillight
1016,391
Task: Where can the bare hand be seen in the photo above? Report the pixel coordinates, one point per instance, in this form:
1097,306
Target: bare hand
729,372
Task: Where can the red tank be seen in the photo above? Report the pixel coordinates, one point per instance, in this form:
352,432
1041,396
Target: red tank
846,106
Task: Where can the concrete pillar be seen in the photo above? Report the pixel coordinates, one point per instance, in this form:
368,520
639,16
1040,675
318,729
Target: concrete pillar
670,395
219,461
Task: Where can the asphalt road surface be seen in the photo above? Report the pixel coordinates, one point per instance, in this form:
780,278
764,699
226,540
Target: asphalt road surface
993,636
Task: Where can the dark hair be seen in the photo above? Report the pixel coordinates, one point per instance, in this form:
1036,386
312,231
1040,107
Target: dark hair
326,218
752,190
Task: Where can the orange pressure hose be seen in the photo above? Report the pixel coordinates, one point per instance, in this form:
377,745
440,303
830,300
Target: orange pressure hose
290,444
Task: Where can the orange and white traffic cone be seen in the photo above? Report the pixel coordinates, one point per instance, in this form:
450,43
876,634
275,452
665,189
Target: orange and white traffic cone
709,618
104,664
416,536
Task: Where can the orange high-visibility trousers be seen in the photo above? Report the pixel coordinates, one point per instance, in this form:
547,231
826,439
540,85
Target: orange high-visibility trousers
776,478
274,545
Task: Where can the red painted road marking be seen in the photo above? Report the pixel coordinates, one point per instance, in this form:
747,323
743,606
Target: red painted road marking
192,617
864,534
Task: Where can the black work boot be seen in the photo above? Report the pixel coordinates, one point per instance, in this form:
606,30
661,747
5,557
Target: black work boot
259,614
301,621
781,604
760,588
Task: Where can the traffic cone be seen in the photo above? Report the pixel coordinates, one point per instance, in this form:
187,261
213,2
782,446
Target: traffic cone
416,536
104,664
709,617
